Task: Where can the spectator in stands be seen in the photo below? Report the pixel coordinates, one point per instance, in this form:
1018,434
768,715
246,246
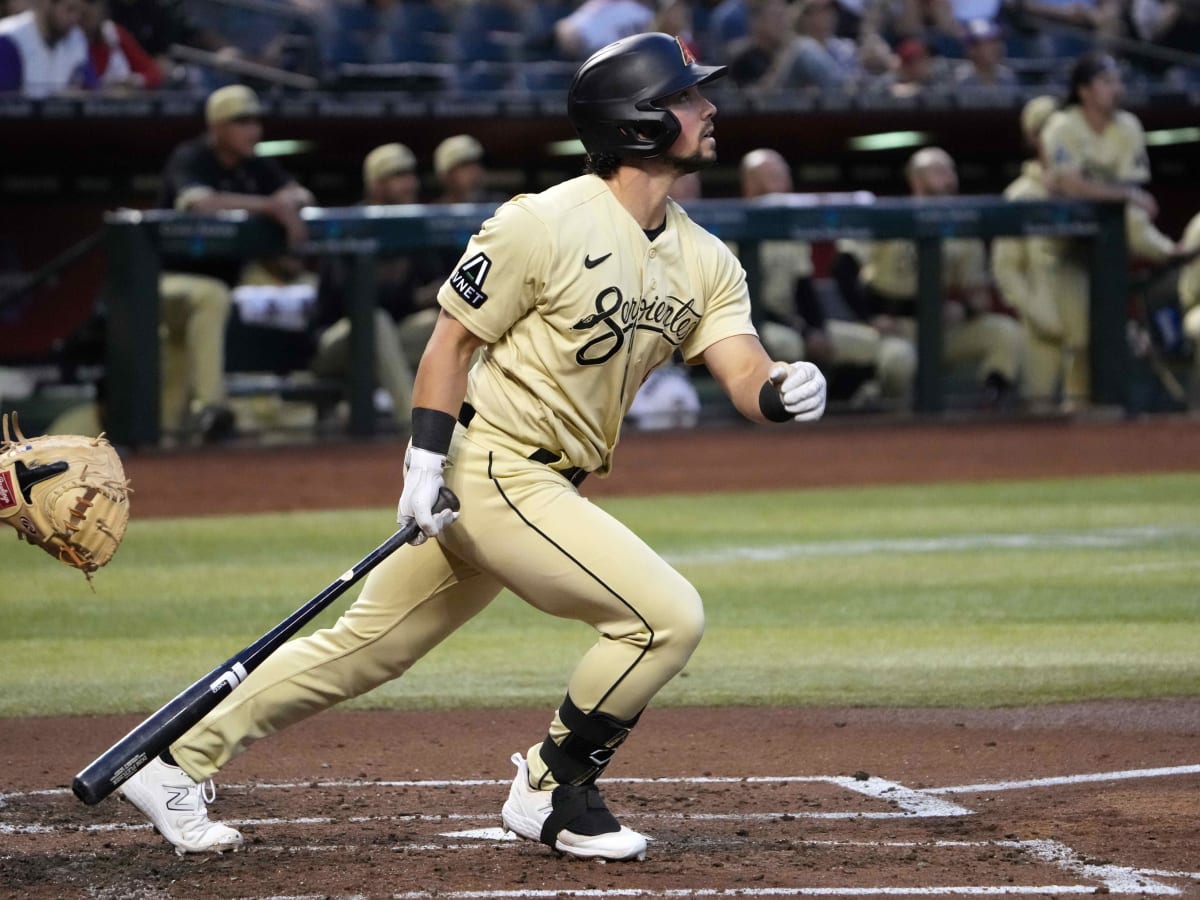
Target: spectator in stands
754,55
1174,24
458,163
216,171
850,354
117,58
158,24
916,70
1046,281
406,287
43,50
1095,150
885,293
674,17
984,66
819,56
729,21
1099,20
597,23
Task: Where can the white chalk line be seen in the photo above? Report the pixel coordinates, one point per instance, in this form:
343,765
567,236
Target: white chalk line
1063,780
1117,879
1099,539
909,803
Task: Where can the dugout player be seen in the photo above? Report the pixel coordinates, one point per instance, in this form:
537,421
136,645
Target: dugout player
215,171
1047,284
885,295
405,285
1094,150
573,296
855,350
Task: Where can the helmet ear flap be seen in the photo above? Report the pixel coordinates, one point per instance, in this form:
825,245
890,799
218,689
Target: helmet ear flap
651,137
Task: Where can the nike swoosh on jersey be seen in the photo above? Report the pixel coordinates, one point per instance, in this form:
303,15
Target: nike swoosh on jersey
589,263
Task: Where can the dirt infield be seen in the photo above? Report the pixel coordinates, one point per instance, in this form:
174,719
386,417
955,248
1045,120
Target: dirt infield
748,802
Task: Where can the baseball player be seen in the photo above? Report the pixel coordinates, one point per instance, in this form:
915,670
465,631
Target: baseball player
571,297
1189,296
1097,151
887,294
1046,281
1094,150
405,285
216,171
789,295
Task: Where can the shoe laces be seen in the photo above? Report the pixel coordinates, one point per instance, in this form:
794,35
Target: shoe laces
208,792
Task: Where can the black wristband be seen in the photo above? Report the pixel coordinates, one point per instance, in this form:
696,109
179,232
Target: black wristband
771,404
432,429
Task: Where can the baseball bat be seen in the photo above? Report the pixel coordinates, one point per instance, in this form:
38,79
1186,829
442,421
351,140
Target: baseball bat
126,757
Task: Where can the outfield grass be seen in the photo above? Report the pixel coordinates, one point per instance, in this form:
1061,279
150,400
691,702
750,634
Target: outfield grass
979,594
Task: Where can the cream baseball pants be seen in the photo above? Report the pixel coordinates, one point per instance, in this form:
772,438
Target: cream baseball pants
524,527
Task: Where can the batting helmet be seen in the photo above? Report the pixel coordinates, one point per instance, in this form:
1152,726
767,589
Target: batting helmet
614,99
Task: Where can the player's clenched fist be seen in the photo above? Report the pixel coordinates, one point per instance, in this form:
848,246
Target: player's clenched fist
422,482
801,388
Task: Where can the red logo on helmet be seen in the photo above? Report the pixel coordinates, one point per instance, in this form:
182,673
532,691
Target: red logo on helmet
8,497
688,59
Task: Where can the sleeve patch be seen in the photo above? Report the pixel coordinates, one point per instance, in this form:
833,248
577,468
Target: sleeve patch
468,279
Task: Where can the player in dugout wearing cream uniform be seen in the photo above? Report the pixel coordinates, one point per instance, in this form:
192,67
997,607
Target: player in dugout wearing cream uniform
1047,285
1094,150
789,295
572,297
887,297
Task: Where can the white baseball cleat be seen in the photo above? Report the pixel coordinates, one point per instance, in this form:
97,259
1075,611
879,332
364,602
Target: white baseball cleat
176,805
571,819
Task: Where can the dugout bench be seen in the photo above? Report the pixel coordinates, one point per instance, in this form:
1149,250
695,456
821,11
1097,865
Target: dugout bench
136,241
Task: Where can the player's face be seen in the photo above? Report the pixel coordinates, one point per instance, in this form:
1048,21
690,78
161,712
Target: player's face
696,146
938,179
398,188
1103,92
239,136
61,17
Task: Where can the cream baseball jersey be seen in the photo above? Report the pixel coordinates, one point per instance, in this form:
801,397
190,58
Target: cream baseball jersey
890,267
577,305
1115,156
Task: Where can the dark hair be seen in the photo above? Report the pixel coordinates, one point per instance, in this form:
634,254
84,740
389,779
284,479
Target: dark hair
604,165
1086,68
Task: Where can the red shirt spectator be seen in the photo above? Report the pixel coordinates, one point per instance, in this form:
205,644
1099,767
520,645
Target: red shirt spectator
115,53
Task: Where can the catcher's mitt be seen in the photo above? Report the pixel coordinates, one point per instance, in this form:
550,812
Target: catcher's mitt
64,492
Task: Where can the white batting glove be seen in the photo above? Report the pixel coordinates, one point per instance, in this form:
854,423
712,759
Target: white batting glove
422,481
801,388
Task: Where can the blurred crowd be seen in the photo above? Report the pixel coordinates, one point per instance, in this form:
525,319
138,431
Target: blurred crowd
896,47
1016,311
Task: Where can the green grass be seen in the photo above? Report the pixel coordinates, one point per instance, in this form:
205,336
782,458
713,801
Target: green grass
983,594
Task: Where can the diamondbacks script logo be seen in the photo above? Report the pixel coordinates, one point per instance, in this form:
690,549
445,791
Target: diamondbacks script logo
468,280
668,316
8,497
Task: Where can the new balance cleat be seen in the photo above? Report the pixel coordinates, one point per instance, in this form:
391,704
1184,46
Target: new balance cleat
178,808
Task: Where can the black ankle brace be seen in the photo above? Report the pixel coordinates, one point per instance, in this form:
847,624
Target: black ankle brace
588,748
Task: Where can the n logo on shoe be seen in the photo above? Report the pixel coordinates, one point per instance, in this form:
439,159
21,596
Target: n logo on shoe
178,801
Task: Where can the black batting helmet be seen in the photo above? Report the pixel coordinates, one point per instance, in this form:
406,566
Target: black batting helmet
614,99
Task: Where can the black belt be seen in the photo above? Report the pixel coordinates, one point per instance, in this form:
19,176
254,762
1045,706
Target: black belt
574,474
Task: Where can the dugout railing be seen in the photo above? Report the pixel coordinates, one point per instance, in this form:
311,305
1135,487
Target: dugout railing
137,240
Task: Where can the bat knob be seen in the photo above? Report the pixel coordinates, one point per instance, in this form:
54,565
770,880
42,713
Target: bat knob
446,500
